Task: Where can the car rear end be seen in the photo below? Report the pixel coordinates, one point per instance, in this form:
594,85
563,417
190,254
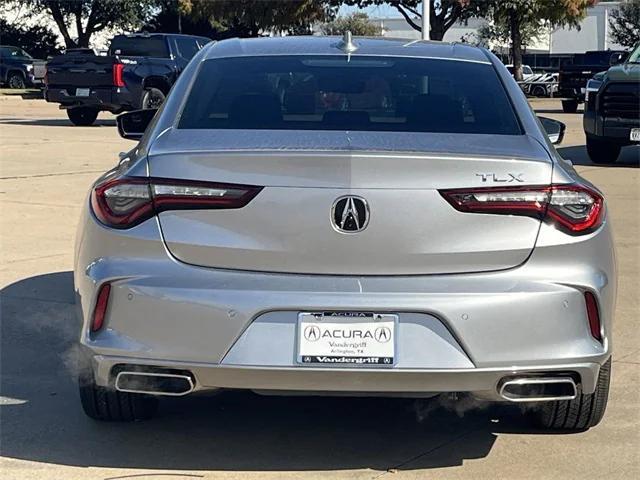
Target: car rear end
572,81
114,82
88,80
397,232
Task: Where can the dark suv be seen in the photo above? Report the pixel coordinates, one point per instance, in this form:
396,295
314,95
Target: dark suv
612,110
16,67
573,78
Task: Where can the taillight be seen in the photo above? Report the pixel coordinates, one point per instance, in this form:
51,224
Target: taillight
575,209
118,80
593,315
100,310
127,201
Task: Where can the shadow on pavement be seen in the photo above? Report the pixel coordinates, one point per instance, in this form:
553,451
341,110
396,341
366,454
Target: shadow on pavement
629,156
56,122
41,419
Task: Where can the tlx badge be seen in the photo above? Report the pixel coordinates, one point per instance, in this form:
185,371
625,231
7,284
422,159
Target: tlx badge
493,177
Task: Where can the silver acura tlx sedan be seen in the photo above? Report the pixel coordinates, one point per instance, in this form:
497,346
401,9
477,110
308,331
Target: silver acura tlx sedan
325,215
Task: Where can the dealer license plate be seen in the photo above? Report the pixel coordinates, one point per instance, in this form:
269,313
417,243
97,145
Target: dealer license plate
634,136
82,92
346,338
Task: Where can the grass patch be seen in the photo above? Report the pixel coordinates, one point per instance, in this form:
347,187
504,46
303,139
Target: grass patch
25,93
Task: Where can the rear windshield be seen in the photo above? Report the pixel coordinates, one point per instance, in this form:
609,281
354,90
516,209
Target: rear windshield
358,94
139,47
597,58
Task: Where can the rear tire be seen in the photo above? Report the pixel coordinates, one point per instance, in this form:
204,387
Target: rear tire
16,80
539,91
601,151
108,405
569,106
82,116
581,413
152,98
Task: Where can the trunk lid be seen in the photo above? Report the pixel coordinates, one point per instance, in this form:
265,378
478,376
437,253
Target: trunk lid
288,227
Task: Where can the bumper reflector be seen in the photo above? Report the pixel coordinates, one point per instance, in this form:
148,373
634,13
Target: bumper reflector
593,315
100,310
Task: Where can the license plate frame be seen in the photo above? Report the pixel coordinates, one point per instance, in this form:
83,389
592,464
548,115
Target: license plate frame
83,92
347,339
634,135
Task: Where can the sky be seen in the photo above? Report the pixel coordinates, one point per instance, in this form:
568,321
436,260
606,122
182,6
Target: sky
376,11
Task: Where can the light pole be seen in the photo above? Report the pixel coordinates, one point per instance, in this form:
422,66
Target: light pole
426,23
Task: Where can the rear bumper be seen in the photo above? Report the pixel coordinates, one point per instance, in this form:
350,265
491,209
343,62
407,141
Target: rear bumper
110,99
481,382
237,329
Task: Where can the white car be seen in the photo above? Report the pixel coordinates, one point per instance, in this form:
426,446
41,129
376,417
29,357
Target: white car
527,72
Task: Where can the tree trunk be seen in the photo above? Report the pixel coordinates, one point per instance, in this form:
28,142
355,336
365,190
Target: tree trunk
516,45
437,28
57,16
84,37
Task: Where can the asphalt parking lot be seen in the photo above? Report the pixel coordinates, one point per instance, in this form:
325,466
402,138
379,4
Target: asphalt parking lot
46,168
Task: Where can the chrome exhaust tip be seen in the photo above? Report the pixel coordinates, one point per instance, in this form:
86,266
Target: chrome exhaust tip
152,383
538,389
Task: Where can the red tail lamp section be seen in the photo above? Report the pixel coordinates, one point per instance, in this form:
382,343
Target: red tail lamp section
128,201
118,80
100,310
575,209
593,315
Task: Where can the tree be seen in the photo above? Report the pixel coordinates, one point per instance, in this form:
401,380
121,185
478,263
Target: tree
357,23
516,16
500,33
444,13
625,24
38,41
91,16
250,18
171,18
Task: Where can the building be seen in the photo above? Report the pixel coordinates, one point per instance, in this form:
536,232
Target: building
593,33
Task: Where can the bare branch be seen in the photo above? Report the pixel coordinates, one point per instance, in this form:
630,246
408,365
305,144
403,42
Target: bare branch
406,16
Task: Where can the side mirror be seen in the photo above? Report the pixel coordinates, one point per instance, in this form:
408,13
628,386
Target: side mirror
555,129
131,125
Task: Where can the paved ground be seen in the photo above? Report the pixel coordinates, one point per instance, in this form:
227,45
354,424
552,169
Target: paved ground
47,166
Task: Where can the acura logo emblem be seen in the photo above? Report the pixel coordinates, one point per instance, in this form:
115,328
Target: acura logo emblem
350,214
312,333
382,334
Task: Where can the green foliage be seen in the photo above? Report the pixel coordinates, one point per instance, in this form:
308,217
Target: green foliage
250,18
91,16
625,24
357,23
517,18
170,18
37,41
500,33
443,14
556,13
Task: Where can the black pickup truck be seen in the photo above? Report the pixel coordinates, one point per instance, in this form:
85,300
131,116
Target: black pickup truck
573,78
18,69
137,73
612,110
